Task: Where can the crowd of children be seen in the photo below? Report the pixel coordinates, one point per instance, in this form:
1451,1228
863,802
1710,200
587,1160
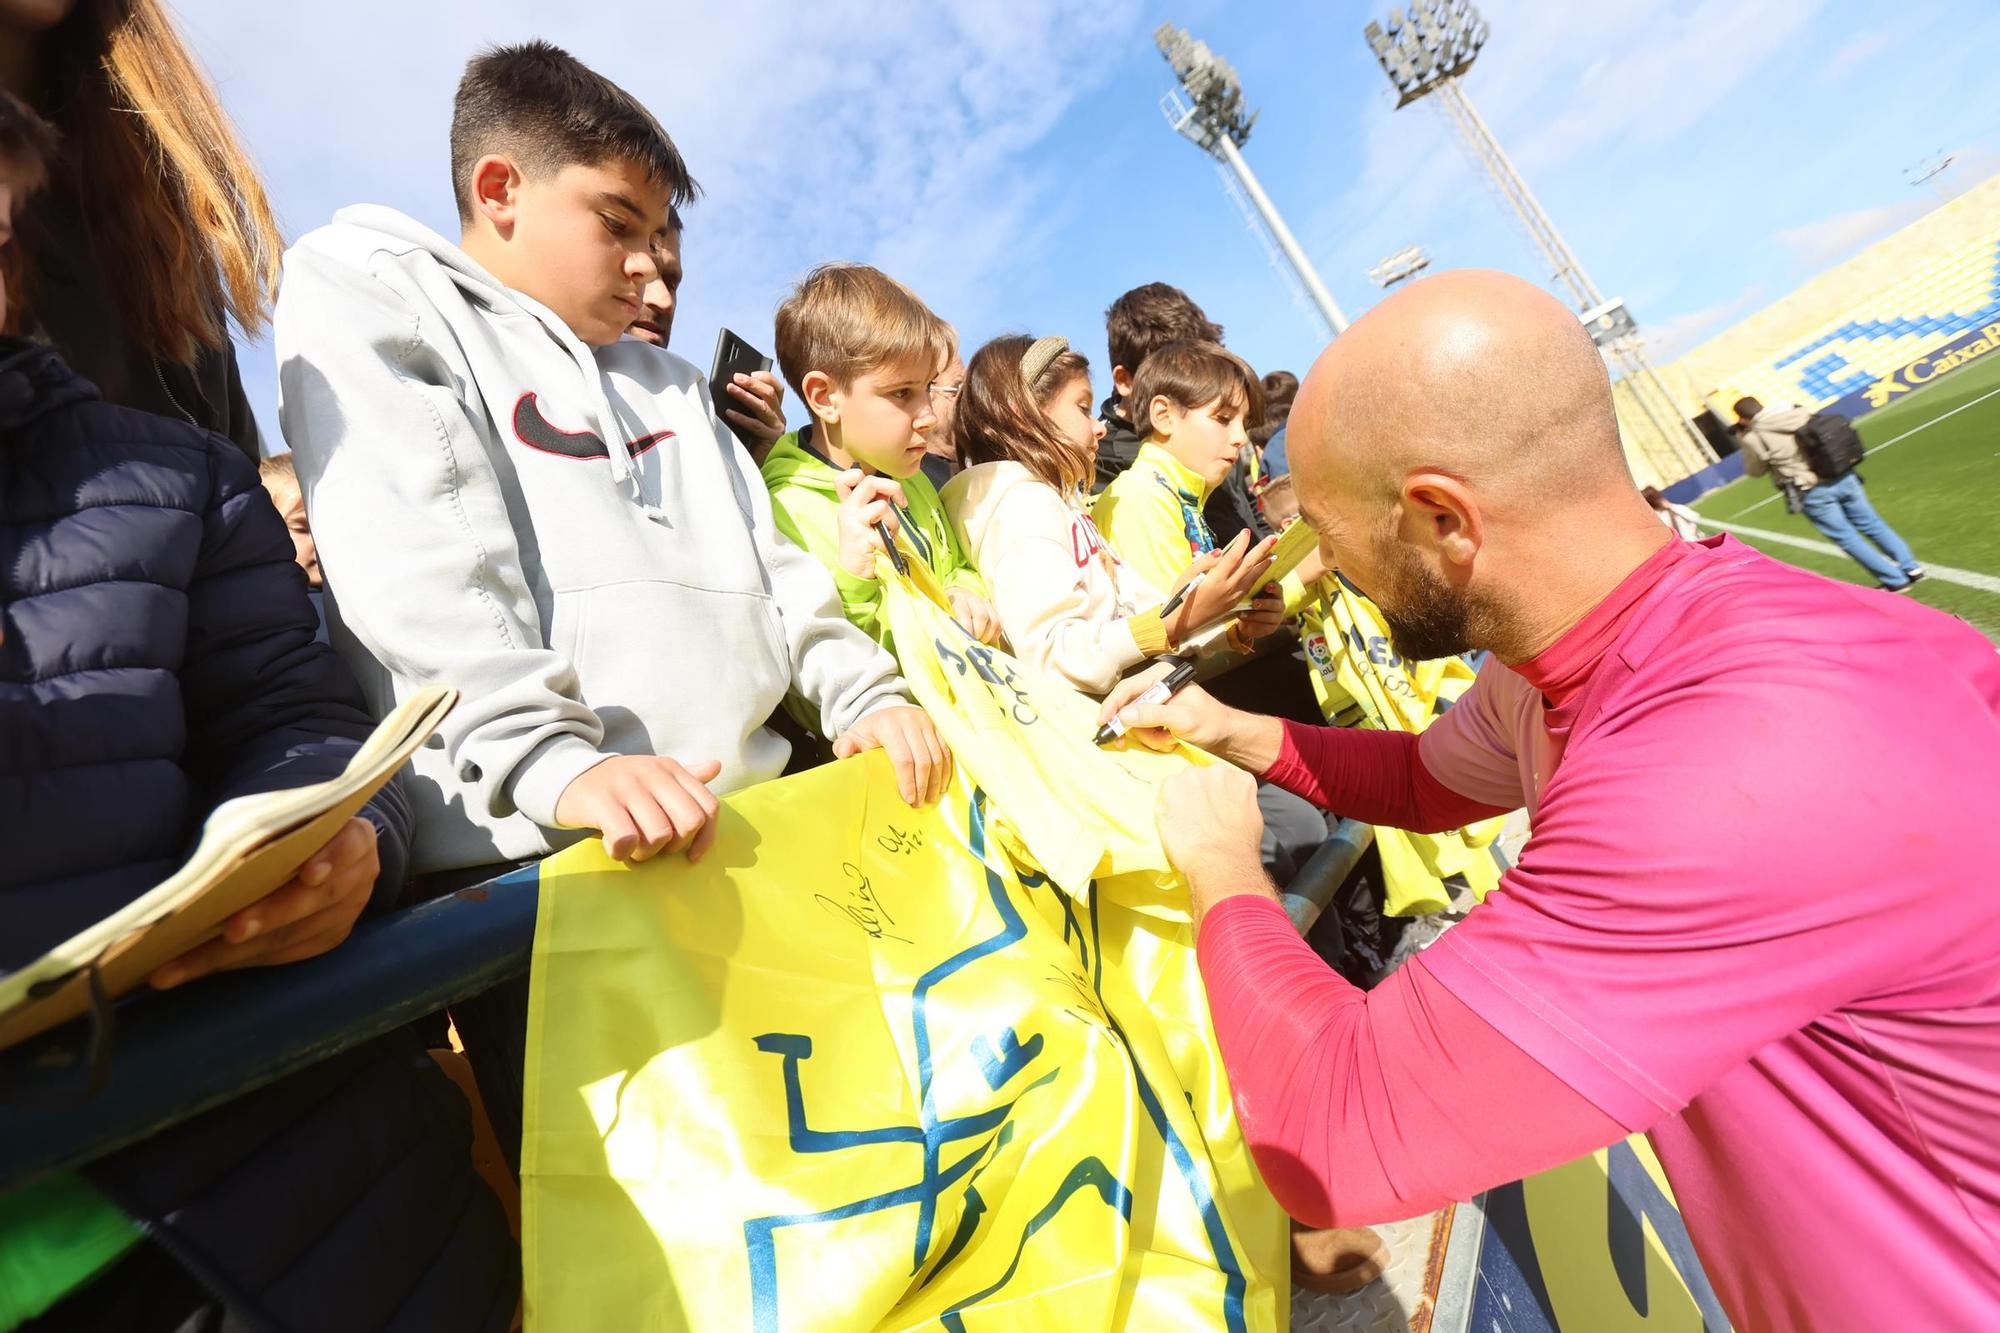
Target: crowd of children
514,487
650,593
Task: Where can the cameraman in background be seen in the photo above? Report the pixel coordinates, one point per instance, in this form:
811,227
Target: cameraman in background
1815,454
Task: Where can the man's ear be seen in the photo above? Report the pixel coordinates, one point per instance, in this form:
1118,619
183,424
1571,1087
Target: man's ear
496,190
1444,514
821,395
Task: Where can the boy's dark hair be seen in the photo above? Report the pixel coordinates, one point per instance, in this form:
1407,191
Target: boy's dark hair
547,109
1192,375
1745,408
1147,318
1280,388
27,145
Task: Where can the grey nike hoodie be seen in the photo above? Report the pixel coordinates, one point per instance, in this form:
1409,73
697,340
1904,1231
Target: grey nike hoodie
566,534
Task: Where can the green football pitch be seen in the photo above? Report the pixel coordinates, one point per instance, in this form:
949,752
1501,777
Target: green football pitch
1933,471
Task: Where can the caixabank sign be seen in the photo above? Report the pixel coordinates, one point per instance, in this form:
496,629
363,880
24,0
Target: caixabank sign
1938,362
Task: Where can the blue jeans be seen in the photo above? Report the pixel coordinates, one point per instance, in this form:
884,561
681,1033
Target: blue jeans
1841,511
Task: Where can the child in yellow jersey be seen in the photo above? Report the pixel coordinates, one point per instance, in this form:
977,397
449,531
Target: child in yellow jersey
861,350
1194,402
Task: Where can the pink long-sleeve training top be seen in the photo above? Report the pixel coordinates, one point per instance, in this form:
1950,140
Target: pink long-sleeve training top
1756,920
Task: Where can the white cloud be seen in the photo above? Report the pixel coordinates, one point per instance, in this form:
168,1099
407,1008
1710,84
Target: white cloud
1670,337
1827,240
1565,85
1857,51
1657,68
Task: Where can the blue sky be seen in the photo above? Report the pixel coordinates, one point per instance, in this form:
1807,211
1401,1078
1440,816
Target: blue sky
1009,161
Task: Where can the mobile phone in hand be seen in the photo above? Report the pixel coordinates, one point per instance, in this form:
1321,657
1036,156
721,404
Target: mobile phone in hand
733,357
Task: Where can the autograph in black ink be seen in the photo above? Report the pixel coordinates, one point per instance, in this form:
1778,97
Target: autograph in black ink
862,907
895,840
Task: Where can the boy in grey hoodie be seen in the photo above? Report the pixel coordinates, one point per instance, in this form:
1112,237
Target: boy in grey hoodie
510,497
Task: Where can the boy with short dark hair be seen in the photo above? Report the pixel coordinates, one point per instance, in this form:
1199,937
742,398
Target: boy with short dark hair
1135,325
1138,324
860,350
1195,402
510,496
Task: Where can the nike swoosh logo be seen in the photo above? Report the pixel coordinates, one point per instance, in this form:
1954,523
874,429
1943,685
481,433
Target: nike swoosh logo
540,434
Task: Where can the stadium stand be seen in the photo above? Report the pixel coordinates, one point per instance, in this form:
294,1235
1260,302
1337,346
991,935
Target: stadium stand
1854,328
1909,294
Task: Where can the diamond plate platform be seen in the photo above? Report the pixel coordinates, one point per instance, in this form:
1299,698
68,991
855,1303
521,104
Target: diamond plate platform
1431,1263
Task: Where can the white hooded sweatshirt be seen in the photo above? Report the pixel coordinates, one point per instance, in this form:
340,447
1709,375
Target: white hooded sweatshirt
1069,605
568,535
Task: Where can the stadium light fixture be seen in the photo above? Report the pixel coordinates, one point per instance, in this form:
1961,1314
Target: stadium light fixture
1609,323
1211,113
1405,263
1927,172
1425,52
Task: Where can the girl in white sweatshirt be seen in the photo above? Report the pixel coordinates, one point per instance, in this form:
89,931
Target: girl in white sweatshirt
1024,432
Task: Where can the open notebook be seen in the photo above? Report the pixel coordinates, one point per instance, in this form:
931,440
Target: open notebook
248,847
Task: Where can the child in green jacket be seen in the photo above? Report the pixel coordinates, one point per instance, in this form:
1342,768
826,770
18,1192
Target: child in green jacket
861,350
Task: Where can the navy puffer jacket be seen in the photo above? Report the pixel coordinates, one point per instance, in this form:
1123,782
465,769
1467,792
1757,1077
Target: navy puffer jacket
158,655
158,658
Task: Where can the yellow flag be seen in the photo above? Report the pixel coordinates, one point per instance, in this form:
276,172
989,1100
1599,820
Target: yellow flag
1354,662
869,1067
1080,810
855,1071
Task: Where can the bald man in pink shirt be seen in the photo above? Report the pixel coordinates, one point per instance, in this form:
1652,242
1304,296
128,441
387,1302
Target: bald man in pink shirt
1756,919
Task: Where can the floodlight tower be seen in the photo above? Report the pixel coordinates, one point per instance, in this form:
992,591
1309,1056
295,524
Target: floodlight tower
1428,53
1405,263
1212,116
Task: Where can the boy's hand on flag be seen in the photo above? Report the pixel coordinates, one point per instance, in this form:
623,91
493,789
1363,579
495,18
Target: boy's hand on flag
976,614
905,734
302,918
864,502
644,804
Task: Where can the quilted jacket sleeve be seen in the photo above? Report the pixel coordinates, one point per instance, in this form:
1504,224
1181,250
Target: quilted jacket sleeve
267,706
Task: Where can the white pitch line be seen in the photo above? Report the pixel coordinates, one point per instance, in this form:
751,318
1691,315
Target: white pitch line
1964,578
1774,495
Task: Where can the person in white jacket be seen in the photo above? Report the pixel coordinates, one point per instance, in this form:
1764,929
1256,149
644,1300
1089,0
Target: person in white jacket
509,499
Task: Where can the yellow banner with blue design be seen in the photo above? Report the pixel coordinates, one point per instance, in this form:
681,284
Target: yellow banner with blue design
1355,664
869,1067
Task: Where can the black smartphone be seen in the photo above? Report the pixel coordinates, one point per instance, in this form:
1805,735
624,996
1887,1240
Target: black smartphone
733,357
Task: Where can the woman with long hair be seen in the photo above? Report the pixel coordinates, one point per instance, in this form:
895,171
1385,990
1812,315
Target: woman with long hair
155,234
342,1195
